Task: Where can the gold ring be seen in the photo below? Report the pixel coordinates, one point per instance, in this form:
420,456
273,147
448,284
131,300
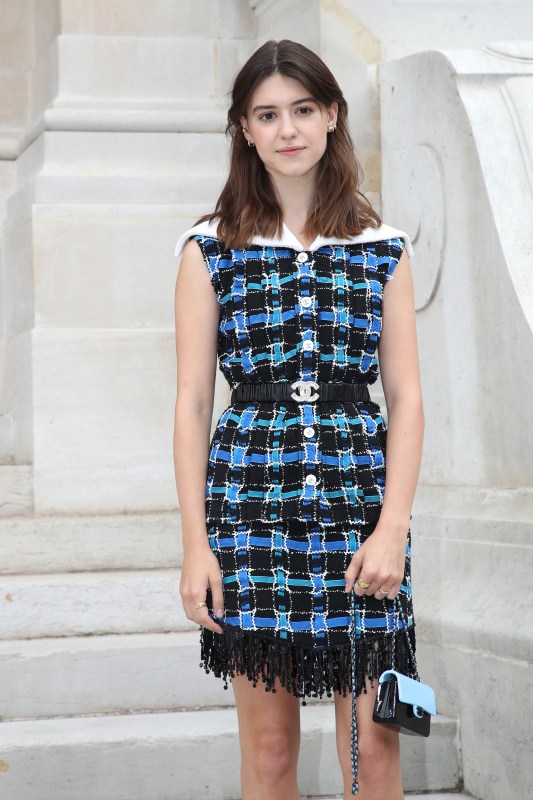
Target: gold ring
362,584
383,591
200,605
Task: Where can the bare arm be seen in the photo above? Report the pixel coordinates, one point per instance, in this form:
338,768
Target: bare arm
196,318
381,560
400,376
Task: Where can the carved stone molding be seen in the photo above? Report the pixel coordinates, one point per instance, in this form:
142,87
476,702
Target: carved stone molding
423,217
516,51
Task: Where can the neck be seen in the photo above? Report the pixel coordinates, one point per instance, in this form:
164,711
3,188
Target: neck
297,198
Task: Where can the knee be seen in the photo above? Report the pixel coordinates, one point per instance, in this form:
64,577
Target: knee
274,755
379,755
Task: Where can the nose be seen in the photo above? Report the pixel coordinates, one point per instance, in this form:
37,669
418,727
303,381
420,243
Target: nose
288,127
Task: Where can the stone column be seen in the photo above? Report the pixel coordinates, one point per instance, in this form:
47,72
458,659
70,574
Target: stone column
27,81
124,151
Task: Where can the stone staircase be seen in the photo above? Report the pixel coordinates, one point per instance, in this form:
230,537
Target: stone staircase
102,697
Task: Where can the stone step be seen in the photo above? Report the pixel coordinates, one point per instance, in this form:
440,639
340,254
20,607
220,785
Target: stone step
7,428
437,796
16,489
425,796
52,544
73,676
91,603
188,754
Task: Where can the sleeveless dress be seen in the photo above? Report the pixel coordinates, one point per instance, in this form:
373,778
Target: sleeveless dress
293,489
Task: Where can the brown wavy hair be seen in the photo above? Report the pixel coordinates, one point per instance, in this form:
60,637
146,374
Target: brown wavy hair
248,204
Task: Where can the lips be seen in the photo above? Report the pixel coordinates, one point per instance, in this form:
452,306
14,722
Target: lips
290,150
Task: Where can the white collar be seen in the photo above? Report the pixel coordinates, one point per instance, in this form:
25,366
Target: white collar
288,239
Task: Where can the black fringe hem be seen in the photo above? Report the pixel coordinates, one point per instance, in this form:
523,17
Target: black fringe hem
304,671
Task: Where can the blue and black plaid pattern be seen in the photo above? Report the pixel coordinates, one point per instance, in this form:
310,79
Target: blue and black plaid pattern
283,318
287,580
294,488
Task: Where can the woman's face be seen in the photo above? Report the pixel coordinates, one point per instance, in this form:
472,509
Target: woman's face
289,128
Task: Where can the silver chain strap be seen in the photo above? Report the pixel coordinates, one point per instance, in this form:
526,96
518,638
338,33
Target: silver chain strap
401,616
354,732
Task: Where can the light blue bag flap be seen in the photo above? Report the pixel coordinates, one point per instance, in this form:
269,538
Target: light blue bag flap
412,692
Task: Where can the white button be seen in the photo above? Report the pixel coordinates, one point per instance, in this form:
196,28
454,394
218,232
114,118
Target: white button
310,480
306,301
308,344
309,432
301,257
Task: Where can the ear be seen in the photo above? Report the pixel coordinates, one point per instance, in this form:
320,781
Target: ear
333,111
244,123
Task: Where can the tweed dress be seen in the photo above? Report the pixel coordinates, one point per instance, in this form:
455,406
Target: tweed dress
294,488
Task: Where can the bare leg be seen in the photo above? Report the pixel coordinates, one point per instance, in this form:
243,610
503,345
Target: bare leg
269,735
379,774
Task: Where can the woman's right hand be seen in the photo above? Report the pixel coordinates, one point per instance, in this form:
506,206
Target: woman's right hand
201,571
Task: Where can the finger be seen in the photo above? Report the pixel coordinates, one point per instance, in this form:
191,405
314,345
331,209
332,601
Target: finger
386,594
207,622
395,591
393,587
201,617
217,596
364,586
200,614
353,571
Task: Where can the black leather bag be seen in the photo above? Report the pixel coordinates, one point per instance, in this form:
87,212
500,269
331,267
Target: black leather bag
402,703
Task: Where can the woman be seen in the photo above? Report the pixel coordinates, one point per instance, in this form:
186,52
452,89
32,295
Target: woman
293,514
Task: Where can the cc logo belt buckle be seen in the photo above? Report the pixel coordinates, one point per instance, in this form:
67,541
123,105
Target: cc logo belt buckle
302,391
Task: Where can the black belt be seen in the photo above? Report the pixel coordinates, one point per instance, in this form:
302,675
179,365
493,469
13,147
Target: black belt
299,391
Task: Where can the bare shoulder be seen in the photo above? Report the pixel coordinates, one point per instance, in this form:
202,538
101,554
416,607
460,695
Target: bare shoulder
197,315
192,256
193,279
192,246
399,288
403,268
193,275
398,347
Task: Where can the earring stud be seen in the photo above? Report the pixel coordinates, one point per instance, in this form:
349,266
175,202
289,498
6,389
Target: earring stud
331,128
248,141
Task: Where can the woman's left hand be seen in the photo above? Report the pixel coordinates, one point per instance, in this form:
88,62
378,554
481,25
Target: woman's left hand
379,562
